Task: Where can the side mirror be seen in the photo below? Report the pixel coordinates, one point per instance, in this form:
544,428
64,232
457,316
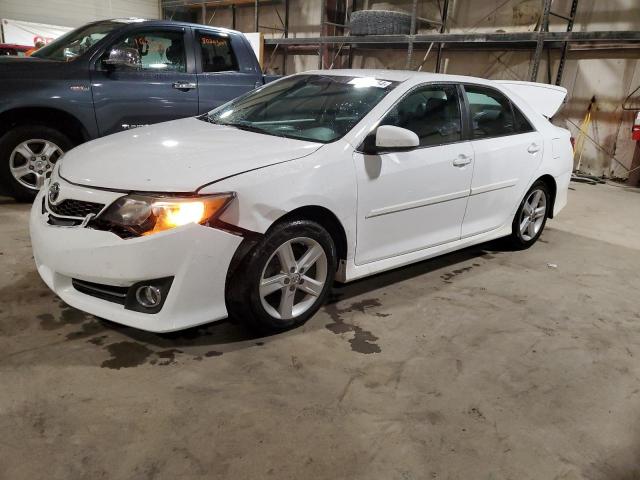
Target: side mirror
387,138
123,57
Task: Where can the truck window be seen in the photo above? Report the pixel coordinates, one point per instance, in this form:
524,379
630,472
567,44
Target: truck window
159,50
217,54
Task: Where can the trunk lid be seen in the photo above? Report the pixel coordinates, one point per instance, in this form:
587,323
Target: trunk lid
545,99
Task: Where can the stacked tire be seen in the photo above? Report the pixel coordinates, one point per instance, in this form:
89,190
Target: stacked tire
380,22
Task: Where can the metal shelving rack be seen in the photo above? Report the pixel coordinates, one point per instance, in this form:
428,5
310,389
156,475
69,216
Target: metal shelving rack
335,48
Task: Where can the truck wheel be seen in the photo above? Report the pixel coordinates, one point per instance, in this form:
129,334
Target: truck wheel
27,156
284,279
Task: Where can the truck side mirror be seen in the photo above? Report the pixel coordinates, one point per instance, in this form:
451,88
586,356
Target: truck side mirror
123,57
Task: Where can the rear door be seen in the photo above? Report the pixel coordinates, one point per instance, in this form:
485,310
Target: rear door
163,86
225,68
507,152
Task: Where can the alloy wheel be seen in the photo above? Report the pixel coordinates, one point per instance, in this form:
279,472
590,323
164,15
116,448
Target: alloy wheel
32,160
293,278
533,214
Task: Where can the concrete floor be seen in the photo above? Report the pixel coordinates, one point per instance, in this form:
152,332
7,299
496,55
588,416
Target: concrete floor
483,364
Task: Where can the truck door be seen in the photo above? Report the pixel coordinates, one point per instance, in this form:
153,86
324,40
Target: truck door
226,67
160,86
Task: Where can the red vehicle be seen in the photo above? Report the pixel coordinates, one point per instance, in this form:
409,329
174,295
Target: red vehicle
14,50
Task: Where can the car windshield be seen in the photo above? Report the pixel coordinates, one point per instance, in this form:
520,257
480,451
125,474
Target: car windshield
317,108
73,44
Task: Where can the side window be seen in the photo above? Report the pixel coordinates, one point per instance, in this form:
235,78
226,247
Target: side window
156,50
432,113
521,122
491,113
217,54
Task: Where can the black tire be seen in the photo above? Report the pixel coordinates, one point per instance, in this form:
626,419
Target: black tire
379,22
14,137
244,302
517,240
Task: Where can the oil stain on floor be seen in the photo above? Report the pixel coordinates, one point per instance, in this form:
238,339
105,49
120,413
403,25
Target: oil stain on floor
363,341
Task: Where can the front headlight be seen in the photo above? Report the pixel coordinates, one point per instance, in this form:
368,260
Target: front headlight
147,214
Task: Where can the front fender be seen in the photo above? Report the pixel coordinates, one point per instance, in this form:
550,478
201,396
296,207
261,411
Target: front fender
325,178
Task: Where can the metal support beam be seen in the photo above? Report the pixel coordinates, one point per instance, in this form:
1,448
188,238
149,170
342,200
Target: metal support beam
565,46
412,32
256,13
323,33
351,5
286,18
233,17
443,29
559,15
478,39
544,27
285,34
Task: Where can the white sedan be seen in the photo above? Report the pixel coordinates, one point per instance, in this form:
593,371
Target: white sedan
254,209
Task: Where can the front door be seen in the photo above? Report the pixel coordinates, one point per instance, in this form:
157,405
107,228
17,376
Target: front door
222,76
415,199
507,153
158,89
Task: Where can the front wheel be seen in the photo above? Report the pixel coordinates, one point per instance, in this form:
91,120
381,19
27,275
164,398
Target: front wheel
531,216
27,156
285,279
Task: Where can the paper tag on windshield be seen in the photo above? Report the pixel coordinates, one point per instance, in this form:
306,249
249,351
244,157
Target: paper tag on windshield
362,82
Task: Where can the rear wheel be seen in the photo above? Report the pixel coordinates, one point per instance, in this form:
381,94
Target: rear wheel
531,217
27,156
285,279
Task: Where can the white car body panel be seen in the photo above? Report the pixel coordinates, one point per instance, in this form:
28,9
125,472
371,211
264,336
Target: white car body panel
502,173
391,219
193,254
395,208
153,155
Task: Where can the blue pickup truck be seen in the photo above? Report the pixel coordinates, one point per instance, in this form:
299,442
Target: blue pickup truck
110,76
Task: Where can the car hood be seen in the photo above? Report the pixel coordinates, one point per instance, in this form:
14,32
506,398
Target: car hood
177,156
20,65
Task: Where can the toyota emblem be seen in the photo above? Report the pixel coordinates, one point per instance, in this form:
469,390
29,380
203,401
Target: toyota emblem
54,192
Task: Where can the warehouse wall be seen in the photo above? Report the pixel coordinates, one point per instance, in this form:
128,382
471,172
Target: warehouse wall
73,13
609,76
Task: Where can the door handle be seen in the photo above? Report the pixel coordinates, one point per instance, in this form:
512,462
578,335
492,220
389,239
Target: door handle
184,85
462,160
533,148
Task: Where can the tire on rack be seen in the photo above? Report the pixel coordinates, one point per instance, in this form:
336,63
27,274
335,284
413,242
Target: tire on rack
284,279
379,22
531,216
27,155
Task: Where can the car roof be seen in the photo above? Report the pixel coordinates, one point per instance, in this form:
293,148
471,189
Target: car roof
159,22
402,75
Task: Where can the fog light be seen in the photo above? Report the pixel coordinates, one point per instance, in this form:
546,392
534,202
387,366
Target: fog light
149,296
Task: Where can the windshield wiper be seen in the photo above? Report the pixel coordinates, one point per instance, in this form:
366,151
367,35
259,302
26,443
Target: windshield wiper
243,126
248,128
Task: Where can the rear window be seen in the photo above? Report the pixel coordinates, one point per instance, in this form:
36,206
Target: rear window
521,123
216,53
